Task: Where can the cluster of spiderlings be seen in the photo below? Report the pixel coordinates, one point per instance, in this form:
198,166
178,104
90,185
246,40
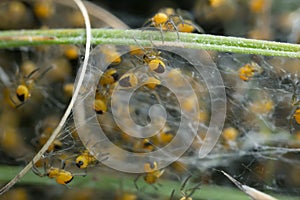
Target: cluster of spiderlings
30,14
169,19
262,104
258,19
262,99
148,66
142,70
34,87
36,84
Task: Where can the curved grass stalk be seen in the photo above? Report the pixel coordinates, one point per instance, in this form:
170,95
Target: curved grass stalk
18,38
42,151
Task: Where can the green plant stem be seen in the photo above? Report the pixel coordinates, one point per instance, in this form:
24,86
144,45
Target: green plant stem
19,38
111,182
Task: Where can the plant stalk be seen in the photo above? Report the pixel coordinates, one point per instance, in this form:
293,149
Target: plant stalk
10,39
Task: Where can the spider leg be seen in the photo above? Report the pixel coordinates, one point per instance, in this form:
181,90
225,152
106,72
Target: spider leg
62,164
105,157
174,26
172,195
147,23
291,120
36,171
185,182
80,174
15,103
161,33
192,190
